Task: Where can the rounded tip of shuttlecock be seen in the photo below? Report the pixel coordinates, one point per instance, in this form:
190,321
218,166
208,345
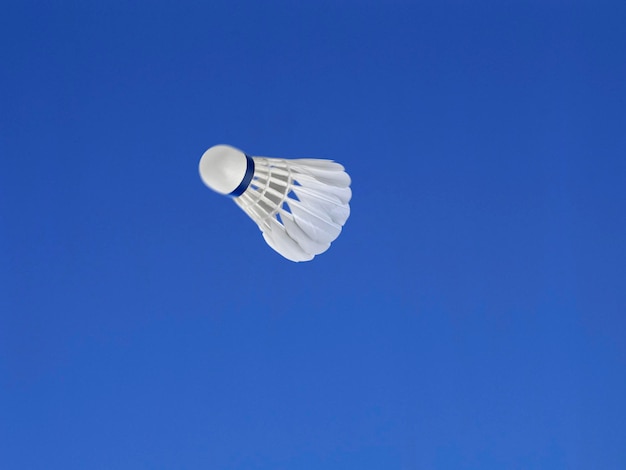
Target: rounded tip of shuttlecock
223,168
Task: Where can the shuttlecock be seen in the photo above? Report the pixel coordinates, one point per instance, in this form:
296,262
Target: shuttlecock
300,205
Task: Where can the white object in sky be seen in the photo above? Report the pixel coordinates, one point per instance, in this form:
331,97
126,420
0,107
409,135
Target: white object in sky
299,205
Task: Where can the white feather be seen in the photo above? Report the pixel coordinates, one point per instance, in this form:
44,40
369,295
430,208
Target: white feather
277,238
299,205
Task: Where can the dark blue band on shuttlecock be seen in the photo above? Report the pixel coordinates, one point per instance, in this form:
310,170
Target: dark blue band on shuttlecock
247,178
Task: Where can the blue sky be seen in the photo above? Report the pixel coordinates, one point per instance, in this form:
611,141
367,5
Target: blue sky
471,314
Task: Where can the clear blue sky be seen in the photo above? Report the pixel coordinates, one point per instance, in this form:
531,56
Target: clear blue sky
472,315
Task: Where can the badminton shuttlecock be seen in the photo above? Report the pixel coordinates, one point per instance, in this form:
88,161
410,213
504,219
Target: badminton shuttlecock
299,205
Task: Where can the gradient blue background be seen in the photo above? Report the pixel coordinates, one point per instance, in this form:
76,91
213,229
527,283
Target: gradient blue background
471,314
